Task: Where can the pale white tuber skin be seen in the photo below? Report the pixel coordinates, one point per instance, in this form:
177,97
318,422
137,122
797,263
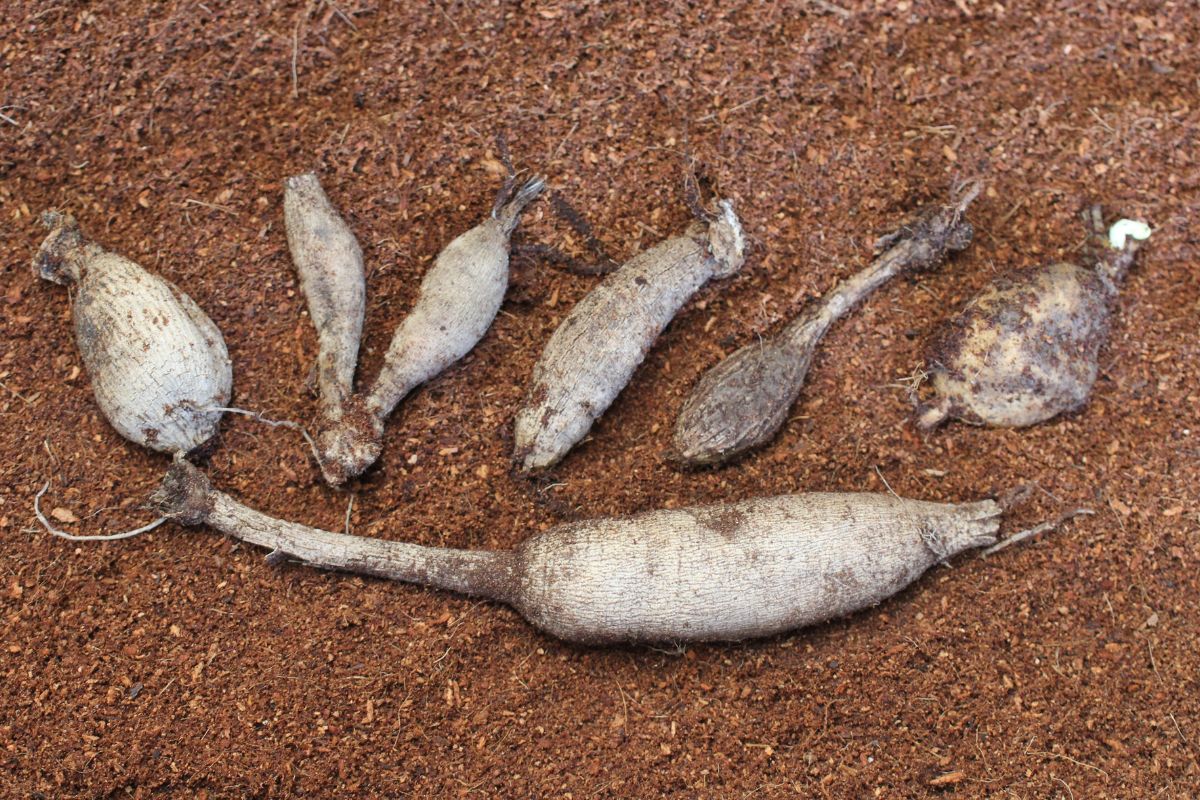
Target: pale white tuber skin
158,365
718,573
1027,348
596,349
329,262
458,300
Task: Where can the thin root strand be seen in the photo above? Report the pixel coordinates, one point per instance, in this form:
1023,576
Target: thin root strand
274,423
1037,530
37,510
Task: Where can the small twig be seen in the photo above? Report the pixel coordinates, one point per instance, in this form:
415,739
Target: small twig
1065,757
16,394
342,15
349,510
37,510
738,107
193,202
295,54
9,120
1034,531
1011,212
449,18
559,148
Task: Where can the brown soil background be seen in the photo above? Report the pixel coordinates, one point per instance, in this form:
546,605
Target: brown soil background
180,664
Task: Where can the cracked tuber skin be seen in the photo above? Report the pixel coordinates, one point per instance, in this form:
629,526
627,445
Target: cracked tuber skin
716,573
1027,348
158,365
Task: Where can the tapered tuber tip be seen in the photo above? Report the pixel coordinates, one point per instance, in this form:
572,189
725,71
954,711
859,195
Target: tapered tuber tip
684,453
185,494
56,260
306,181
727,241
349,448
508,208
931,415
531,460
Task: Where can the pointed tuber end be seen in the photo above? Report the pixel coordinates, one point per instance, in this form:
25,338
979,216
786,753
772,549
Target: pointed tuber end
57,259
306,185
931,415
185,494
530,460
508,208
727,241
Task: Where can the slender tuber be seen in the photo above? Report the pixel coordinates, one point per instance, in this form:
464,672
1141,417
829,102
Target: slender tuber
158,365
330,264
742,402
594,352
725,572
1027,349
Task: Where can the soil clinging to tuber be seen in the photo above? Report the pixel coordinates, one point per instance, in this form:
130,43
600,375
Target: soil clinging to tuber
1027,348
717,573
742,402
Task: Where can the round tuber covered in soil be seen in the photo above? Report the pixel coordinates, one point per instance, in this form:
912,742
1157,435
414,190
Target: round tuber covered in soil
743,401
595,350
717,573
158,365
1027,348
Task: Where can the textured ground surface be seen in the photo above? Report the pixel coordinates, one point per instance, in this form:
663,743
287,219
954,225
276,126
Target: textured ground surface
179,664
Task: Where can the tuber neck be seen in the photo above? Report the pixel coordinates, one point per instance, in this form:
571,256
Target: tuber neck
187,496
1112,265
922,245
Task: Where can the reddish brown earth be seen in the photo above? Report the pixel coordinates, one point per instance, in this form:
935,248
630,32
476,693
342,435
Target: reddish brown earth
179,664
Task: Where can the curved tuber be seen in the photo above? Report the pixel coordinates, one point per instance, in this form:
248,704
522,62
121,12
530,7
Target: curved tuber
458,299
